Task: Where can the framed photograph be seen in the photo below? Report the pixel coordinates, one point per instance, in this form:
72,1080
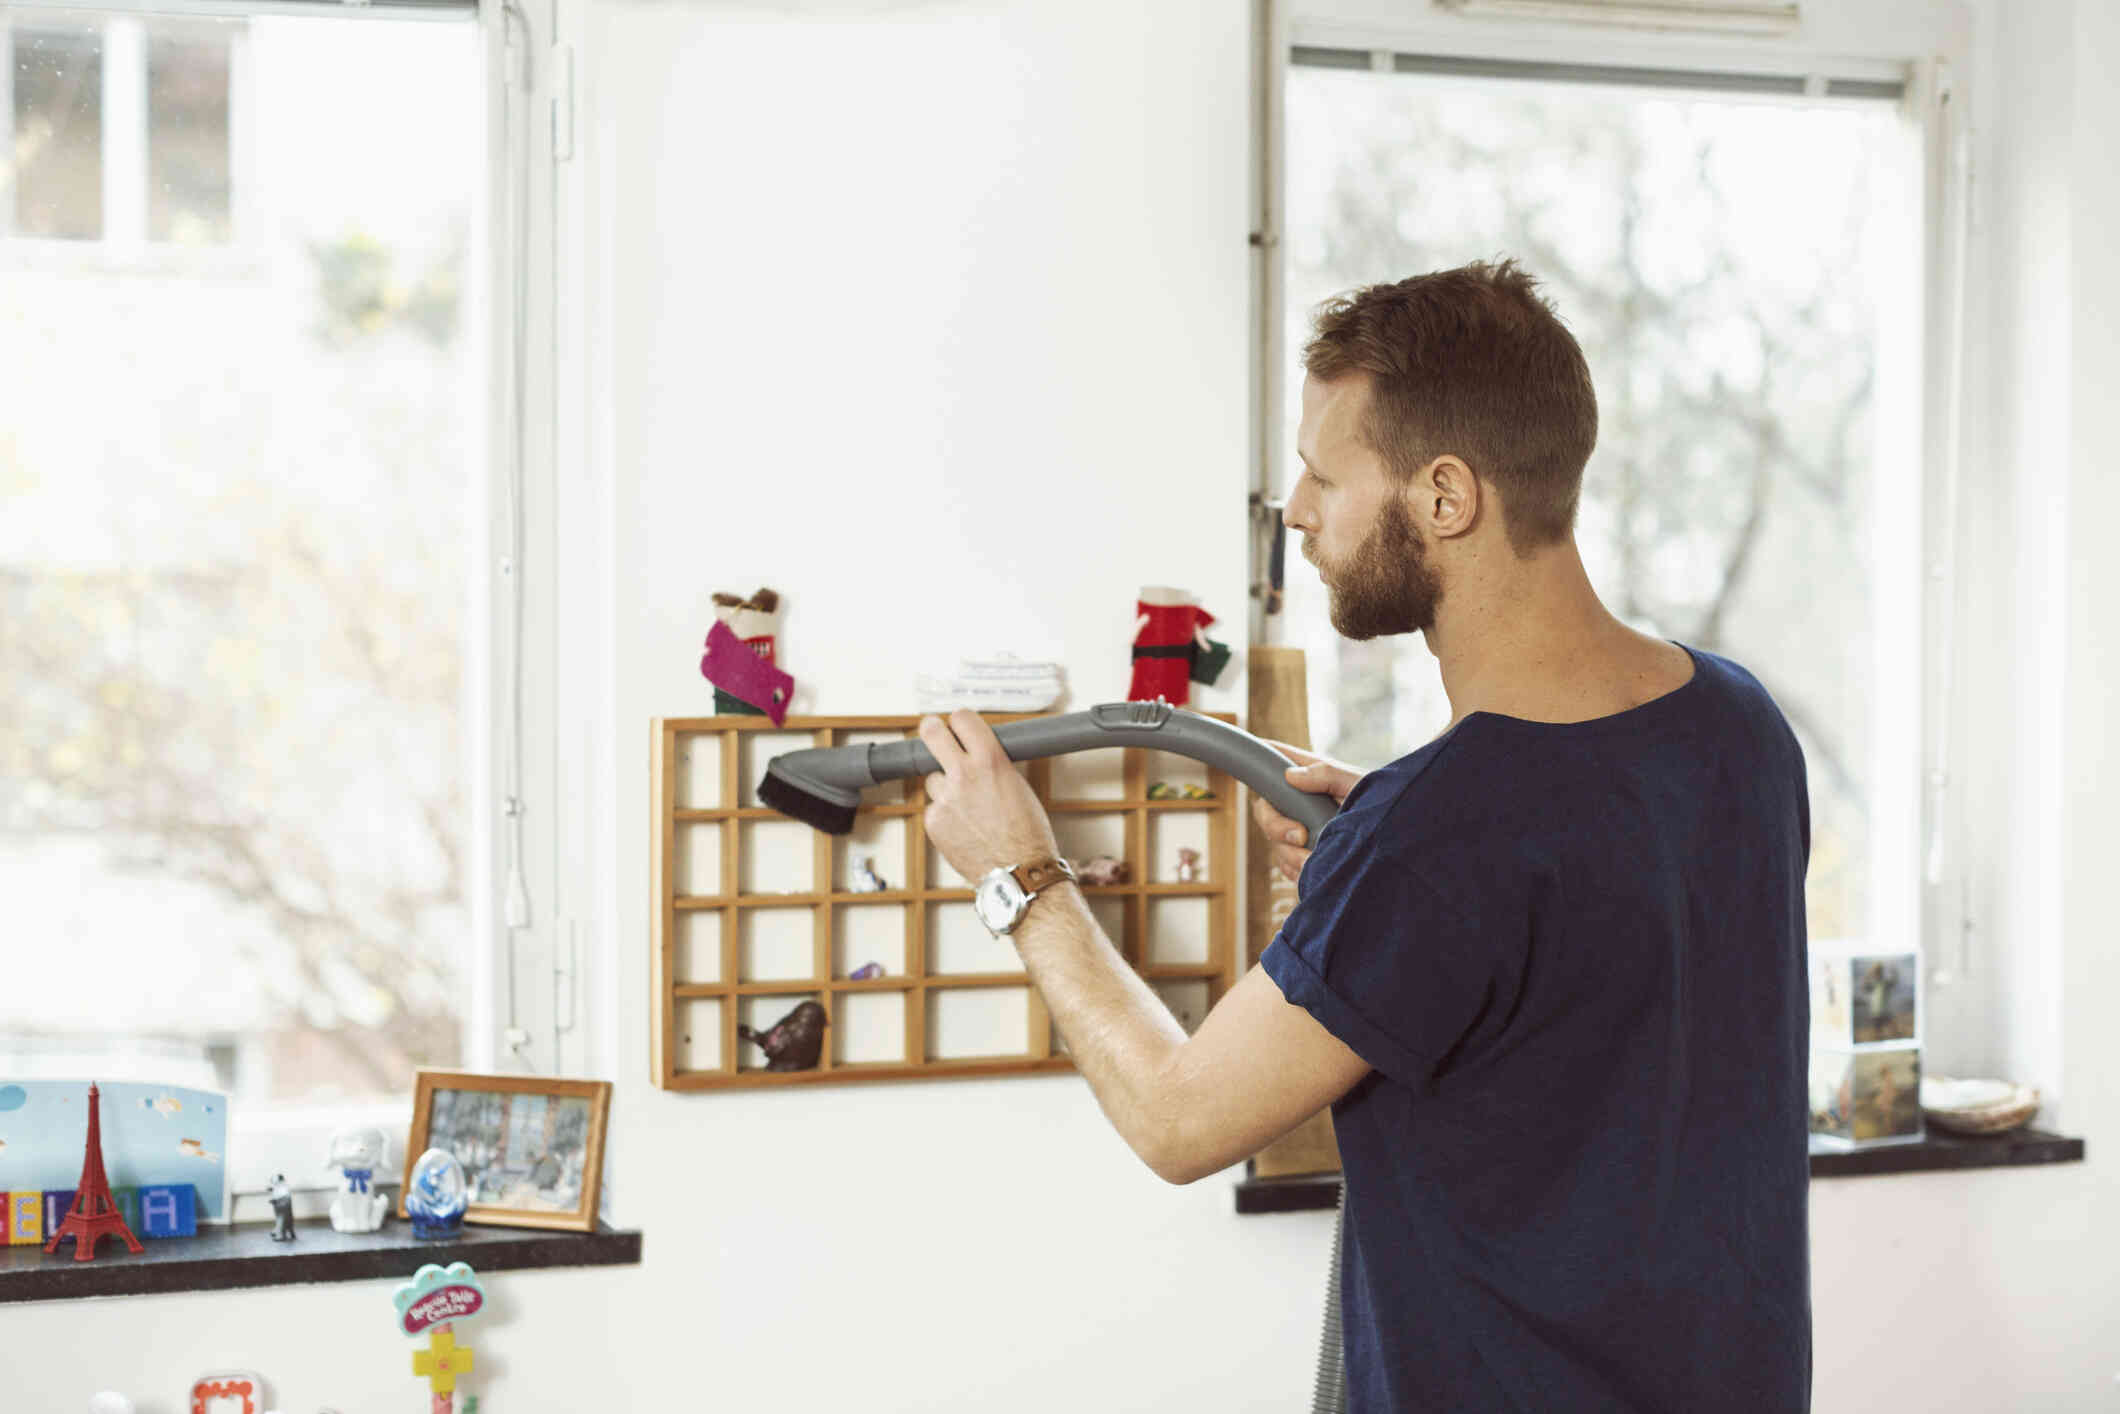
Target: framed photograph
532,1146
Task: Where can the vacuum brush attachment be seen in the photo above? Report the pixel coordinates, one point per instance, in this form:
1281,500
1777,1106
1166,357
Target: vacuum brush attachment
822,786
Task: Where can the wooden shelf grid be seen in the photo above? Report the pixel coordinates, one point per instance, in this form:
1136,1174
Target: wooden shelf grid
753,912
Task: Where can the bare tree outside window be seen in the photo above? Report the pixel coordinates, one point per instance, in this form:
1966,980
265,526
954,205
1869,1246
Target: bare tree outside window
237,511
1717,261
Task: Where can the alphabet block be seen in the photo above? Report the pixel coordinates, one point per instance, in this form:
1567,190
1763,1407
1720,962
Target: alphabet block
128,1202
57,1202
25,1218
168,1210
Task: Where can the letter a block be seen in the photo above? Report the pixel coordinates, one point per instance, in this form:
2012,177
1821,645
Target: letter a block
168,1210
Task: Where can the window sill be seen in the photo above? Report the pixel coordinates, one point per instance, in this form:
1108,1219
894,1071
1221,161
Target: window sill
1938,1152
244,1254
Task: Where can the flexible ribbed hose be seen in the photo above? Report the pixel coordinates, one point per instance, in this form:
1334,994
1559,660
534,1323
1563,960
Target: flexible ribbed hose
1331,1394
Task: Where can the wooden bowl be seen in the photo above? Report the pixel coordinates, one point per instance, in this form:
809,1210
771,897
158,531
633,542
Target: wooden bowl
1977,1106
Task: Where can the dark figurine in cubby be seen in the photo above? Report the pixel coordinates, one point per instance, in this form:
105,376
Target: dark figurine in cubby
794,1041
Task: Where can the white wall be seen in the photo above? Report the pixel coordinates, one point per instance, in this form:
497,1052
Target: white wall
1996,1289
946,305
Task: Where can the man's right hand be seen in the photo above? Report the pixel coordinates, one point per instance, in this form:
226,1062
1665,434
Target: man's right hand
1320,776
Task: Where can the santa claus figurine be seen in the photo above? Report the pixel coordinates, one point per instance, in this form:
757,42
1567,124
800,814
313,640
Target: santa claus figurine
1171,647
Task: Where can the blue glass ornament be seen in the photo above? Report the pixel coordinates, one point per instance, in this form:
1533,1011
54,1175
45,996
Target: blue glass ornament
435,1194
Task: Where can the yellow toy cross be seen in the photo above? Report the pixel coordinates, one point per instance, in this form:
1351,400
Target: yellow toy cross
442,1361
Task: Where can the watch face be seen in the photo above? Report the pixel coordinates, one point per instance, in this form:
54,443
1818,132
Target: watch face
997,901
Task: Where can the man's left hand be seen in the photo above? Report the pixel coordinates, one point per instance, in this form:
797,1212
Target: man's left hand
982,814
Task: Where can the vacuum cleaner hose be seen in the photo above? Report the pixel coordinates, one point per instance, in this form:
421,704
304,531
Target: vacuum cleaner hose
822,786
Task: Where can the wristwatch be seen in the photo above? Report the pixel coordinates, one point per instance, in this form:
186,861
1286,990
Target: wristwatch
1005,895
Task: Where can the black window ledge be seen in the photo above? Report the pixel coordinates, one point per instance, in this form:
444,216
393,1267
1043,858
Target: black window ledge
244,1254
1940,1151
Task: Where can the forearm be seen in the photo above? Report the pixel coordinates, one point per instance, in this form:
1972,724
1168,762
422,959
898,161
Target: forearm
1118,1031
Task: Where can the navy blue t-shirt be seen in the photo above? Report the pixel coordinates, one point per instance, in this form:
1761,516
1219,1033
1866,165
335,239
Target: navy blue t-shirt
1577,1174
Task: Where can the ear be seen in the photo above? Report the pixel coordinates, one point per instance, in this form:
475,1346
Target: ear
1446,497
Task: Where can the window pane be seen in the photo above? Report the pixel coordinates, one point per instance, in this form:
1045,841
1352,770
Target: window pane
58,132
187,135
237,510
1719,262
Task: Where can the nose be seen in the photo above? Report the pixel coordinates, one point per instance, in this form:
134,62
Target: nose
1295,511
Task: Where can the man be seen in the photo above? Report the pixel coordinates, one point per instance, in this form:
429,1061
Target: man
1548,970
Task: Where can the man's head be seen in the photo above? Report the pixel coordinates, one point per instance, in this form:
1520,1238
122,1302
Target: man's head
1446,418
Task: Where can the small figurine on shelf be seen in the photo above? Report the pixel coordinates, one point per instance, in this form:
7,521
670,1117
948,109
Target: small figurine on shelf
740,657
866,880
1102,869
1171,647
435,1195
792,1043
1164,790
1188,865
864,972
94,1213
359,1154
282,1208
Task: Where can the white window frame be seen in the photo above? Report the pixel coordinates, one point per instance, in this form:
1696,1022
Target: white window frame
1930,47
124,242
563,651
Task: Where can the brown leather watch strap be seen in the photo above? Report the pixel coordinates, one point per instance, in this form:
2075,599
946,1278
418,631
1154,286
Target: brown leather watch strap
1038,873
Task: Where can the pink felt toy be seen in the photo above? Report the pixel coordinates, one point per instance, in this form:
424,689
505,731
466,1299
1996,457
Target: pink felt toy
736,668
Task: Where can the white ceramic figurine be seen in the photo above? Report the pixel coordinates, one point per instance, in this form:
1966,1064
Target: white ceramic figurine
359,1154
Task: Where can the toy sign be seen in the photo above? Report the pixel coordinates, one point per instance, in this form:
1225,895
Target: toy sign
438,1295
228,1392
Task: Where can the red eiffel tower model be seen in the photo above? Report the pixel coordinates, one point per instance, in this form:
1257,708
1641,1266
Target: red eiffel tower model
93,1213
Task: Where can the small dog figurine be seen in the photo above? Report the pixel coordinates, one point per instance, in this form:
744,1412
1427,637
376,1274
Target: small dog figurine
359,1155
282,1208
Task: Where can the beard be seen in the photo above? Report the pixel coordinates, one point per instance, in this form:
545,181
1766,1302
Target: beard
1387,585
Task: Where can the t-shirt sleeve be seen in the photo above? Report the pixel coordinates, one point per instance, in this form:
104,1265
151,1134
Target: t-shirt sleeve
1380,958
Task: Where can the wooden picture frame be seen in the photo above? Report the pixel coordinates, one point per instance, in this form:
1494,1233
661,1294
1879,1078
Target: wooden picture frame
429,1084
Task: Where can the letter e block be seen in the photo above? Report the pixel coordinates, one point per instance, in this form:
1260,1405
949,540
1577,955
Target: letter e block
25,1218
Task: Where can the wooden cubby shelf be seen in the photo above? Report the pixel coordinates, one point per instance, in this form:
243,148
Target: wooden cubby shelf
755,912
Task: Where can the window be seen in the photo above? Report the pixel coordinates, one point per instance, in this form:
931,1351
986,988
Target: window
119,129
243,528
1742,269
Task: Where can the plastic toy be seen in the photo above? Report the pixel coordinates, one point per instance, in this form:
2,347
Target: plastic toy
93,1213
282,1208
1102,869
1188,865
866,880
210,1394
864,972
360,1155
740,657
1164,790
793,1042
435,1195
431,1304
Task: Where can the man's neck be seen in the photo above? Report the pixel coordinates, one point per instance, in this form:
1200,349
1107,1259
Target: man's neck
1533,640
